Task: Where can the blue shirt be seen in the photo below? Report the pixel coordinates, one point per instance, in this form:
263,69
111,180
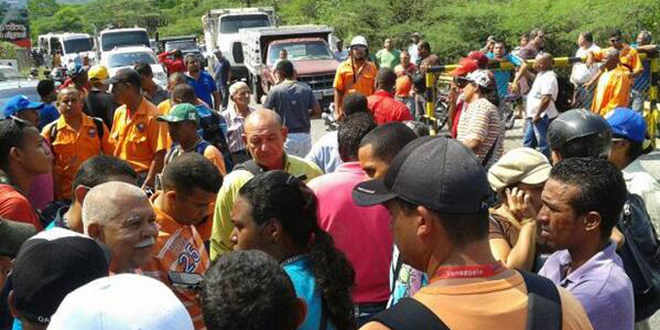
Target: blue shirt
600,284
221,72
47,115
204,86
293,101
643,80
325,153
304,283
502,77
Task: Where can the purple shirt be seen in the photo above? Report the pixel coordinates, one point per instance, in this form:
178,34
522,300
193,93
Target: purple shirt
362,233
600,284
42,190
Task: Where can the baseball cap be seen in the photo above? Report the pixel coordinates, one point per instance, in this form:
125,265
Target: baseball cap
627,123
465,66
49,266
436,172
75,67
122,302
181,112
126,75
520,165
481,58
19,103
480,77
98,72
12,235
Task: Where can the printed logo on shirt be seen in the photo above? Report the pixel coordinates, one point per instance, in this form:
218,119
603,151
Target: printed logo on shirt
140,127
92,133
189,258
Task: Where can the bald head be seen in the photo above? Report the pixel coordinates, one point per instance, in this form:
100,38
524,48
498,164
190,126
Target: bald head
108,201
612,59
264,136
263,117
543,62
175,79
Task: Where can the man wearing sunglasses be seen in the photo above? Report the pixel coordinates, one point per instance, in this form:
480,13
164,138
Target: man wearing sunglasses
356,74
628,56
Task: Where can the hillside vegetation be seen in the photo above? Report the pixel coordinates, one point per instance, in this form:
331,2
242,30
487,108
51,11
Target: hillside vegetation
452,27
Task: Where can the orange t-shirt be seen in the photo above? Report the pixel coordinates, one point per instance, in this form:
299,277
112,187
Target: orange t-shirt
628,56
137,136
15,206
365,82
612,91
496,304
72,148
178,248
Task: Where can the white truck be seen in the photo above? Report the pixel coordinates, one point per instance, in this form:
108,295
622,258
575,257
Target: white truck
70,45
308,49
221,32
110,39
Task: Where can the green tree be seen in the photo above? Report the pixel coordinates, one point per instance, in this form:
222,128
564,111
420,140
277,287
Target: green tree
42,8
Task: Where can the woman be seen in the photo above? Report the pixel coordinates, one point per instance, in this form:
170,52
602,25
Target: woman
276,213
480,127
237,109
518,179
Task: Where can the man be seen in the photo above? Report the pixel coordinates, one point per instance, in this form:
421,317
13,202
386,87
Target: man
356,74
99,103
456,98
628,56
120,215
77,77
49,266
382,104
643,80
173,65
388,57
490,45
113,302
579,133
540,108
92,172
502,77
325,152
443,230
406,66
137,137
293,101
183,123
173,81
337,211
614,83
202,82
582,201
265,297
74,137
48,94
282,56
534,46
264,137
154,93
412,48
222,76
581,73
23,157
425,59
190,185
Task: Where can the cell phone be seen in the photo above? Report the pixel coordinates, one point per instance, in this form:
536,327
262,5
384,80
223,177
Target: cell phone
185,280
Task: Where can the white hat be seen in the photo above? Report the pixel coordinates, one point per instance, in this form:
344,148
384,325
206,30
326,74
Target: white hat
480,77
359,41
122,302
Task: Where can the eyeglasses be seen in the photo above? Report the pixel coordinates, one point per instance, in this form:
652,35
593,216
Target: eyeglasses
613,40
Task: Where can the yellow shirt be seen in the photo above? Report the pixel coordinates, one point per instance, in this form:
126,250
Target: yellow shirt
138,136
232,183
365,82
613,91
628,56
72,148
165,107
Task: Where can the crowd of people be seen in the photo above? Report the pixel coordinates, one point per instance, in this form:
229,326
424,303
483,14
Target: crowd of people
191,208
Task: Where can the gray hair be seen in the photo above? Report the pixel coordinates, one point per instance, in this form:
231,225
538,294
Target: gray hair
646,36
103,202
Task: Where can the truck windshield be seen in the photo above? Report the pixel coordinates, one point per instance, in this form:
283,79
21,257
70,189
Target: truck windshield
130,59
302,51
231,24
180,44
125,38
73,46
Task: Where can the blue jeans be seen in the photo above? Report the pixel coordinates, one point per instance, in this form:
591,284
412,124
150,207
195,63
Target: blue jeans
535,135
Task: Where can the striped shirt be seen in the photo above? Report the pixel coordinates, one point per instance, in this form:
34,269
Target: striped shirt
481,121
235,127
643,80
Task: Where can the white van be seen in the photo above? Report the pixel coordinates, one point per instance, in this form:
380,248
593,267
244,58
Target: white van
70,45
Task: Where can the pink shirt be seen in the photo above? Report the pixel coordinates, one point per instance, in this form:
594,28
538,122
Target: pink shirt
42,190
362,233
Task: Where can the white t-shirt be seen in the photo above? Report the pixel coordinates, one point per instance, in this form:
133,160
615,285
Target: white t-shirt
581,74
544,84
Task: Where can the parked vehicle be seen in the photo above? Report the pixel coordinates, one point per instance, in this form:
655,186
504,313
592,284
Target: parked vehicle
127,57
13,83
110,39
70,45
186,44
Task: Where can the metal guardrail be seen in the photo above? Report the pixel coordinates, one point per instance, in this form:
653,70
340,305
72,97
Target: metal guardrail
439,74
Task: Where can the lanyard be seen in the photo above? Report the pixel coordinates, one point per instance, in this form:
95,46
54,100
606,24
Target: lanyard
487,270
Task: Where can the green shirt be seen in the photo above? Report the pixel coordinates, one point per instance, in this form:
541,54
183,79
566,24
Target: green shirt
232,183
388,59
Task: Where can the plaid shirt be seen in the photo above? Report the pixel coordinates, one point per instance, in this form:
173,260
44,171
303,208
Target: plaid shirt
235,127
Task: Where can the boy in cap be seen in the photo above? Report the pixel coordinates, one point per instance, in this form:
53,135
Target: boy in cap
436,192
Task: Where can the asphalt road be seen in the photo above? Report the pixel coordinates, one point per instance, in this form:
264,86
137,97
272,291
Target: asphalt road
513,140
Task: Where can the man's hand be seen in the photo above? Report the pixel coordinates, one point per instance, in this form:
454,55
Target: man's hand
536,118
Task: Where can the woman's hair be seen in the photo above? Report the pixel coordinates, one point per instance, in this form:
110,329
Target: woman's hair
489,93
279,195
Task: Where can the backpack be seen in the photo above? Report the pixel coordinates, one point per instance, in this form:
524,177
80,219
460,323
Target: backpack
210,125
564,99
543,309
641,256
52,134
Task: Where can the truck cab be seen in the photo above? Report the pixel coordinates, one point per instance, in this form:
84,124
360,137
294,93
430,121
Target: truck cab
70,45
110,39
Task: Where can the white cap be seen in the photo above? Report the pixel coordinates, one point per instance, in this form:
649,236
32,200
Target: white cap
359,41
121,302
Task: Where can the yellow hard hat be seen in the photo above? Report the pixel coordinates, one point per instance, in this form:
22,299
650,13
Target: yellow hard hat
98,72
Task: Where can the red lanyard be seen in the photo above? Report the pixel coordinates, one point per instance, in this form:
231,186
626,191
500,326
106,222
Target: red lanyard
467,271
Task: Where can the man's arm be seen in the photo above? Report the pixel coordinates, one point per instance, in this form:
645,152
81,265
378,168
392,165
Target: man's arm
217,100
222,224
155,168
545,101
339,100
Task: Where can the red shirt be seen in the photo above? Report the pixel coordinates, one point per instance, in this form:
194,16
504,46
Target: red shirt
15,206
457,118
385,108
175,65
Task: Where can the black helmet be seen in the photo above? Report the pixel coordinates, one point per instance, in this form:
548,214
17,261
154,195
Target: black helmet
580,133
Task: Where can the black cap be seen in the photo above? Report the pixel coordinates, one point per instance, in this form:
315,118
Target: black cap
49,266
435,172
127,75
12,235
